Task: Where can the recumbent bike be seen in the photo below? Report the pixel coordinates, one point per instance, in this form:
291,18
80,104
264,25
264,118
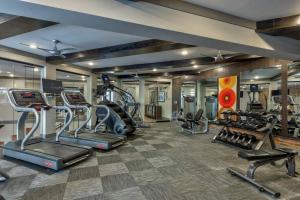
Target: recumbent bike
194,124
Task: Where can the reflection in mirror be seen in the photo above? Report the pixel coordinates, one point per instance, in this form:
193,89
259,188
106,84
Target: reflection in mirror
15,75
188,98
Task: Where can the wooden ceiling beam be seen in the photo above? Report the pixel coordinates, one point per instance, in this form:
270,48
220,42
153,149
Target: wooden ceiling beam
15,25
129,49
285,26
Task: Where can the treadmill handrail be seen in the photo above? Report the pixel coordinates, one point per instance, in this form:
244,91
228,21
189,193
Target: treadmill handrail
104,119
24,109
86,107
89,116
66,125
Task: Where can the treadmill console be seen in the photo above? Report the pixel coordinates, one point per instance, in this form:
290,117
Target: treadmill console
27,98
76,98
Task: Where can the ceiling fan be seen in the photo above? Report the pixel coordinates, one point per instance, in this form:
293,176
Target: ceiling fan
55,51
229,58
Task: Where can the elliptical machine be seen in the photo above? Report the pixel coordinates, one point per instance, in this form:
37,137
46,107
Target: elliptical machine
120,120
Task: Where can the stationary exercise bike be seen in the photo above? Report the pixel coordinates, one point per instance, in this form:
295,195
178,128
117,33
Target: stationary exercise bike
265,156
194,124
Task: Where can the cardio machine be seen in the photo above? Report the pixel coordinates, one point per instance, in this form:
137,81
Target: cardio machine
44,152
75,100
194,125
266,156
3,176
120,121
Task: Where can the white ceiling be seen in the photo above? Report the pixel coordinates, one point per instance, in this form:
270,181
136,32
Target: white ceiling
77,37
194,52
253,9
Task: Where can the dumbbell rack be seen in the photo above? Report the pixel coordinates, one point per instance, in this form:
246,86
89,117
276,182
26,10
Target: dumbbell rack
239,137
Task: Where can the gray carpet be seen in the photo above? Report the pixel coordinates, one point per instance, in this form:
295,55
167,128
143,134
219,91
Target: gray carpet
160,164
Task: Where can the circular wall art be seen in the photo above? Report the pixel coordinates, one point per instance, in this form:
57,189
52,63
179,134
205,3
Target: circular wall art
227,98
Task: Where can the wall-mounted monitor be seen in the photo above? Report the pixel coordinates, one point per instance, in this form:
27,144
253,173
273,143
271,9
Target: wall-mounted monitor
52,86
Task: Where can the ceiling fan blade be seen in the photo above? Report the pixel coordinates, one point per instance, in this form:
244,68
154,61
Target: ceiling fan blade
42,49
27,45
67,49
62,56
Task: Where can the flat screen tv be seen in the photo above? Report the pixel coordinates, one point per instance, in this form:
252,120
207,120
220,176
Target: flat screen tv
52,86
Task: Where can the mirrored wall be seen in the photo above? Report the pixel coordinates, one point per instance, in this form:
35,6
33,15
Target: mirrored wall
15,75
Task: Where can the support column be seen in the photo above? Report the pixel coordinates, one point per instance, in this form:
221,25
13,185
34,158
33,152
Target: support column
284,102
48,118
272,86
142,96
176,95
90,94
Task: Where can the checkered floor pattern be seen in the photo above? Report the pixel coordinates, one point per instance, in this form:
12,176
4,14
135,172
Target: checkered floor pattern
159,164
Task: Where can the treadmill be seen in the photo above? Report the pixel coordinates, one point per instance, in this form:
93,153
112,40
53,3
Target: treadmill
50,154
75,100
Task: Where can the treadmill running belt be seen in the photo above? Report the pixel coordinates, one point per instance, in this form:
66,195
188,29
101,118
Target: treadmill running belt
55,149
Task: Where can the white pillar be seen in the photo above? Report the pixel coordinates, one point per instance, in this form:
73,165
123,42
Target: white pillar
90,96
142,96
273,86
48,118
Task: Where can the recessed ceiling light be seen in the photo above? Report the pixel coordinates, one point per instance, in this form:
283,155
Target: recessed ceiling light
195,66
8,72
90,63
33,46
11,75
220,69
256,77
111,72
193,62
83,77
67,76
251,80
36,69
154,69
185,76
184,52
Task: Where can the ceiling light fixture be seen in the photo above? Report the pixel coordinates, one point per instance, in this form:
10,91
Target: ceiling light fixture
195,66
154,69
67,76
251,80
11,75
36,69
256,77
220,69
8,72
90,63
33,46
185,76
184,52
83,77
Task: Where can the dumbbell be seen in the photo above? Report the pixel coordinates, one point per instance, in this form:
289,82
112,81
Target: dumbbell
231,137
237,138
250,141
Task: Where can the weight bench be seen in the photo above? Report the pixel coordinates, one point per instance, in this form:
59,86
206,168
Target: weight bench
263,157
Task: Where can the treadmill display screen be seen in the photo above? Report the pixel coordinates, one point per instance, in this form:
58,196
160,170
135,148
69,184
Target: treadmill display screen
76,98
26,98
